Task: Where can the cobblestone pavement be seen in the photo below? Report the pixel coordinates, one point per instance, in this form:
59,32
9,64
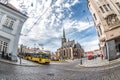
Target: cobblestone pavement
66,71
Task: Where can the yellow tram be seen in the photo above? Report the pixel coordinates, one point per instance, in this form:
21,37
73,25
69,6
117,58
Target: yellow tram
42,57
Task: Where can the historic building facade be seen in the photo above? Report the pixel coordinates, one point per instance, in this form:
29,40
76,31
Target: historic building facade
106,16
24,49
11,22
69,49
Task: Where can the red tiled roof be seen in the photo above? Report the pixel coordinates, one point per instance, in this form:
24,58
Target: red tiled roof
11,6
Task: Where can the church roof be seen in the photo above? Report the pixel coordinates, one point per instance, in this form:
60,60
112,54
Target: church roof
77,45
69,44
8,5
11,6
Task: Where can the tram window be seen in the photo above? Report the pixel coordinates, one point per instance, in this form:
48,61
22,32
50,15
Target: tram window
44,55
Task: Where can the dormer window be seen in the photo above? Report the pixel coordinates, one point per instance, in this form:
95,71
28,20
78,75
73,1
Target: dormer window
9,22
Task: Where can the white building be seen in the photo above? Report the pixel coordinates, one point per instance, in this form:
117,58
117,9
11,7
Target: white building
11,22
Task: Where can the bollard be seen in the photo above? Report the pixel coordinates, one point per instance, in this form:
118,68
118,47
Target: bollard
20,59
81,61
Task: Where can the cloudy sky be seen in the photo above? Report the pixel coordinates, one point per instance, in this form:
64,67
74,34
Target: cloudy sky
46,21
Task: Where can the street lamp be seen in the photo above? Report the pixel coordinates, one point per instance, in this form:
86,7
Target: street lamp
81,58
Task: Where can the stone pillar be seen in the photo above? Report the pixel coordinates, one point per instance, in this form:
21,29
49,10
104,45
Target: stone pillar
105,52
71,53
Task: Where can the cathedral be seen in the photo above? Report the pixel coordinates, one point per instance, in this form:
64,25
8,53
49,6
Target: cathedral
69,49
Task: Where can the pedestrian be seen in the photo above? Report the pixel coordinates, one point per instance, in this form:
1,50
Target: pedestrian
81,61
3,54
20,59
102,56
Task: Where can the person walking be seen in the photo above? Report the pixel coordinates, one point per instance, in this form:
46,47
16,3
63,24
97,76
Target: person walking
102,56
3,54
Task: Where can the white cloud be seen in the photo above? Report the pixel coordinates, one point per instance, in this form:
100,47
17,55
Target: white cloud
75,1
59,2
79,25
90,45
51,22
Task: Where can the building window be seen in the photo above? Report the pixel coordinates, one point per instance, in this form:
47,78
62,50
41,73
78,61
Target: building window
101,8
9,22
98,34
3,46
105,7
118,4
100,30
1,15
95,17
1,43
109,7
64,53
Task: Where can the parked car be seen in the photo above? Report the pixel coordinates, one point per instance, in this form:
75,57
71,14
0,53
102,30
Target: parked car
90,57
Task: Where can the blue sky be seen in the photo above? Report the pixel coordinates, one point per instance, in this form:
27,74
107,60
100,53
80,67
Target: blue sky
52,16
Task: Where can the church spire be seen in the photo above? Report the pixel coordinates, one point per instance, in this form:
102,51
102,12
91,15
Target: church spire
63,38
63,33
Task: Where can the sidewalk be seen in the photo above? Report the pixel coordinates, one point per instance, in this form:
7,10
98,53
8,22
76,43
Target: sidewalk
23,62
69,60
98,62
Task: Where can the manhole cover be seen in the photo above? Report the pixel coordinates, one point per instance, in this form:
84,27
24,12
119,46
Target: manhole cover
50,74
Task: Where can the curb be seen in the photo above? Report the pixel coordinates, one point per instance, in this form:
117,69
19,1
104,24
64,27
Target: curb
104,66
59,61
18,64
92,66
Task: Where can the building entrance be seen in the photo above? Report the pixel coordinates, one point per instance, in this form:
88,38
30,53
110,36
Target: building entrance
3,44
117,41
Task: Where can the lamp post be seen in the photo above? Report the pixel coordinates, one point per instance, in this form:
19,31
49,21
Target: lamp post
81,58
